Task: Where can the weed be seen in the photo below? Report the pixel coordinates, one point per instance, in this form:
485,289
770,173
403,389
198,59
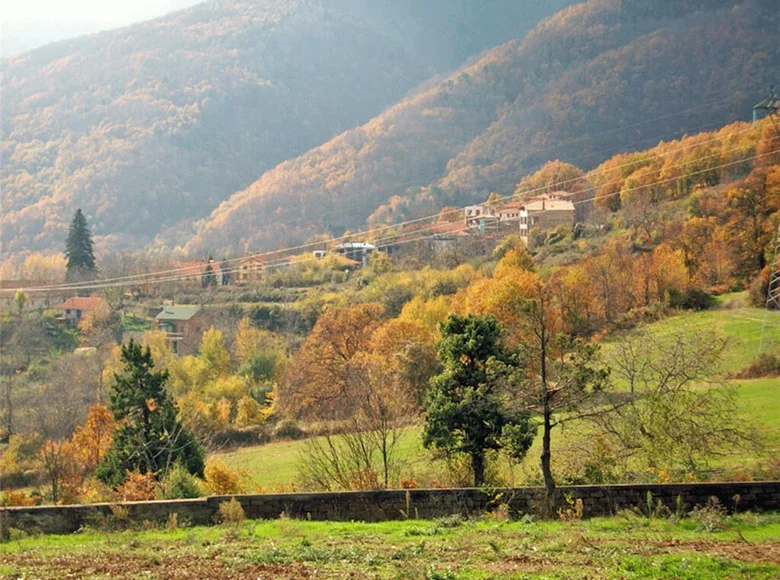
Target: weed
445,574
231,512
573,511
451,521
173,521
710,517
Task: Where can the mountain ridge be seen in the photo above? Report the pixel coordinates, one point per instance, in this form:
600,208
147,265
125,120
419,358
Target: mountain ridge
534,90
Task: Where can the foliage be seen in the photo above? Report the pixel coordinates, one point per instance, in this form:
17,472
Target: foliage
317,377
675,415
465,411
178,483
149,437
484,126
221,480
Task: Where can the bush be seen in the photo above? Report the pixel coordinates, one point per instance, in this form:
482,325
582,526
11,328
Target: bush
759,288
766,365
137,487
231,512
178,484
221,480
289,429
693,299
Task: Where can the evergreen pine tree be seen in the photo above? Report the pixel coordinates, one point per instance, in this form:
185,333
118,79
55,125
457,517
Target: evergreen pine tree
78,250
208,278
223,266
150,437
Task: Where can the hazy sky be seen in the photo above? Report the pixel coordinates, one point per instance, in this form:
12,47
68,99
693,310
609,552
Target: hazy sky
27,24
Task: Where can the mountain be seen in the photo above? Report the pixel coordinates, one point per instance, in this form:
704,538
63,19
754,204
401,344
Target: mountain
151,126
595,79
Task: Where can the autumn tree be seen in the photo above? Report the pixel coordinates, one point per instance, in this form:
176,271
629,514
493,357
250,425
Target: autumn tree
362,450
92,440
149,437
407,351
465,410
316,380
79,251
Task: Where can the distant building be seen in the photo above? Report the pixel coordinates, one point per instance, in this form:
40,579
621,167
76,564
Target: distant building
183,326
194,271
476,215
358,251
250,269
42,298
545,214
445,236
78,307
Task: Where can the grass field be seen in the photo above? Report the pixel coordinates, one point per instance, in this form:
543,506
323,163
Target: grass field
627,546
274,466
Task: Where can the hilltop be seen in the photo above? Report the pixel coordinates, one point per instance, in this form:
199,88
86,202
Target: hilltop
151,126
597,78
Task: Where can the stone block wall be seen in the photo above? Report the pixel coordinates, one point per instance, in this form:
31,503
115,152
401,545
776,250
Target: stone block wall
396,504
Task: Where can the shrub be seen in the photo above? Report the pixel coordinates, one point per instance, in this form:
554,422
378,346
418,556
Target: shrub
693,299
231,512
221,480
711,517
289,429
17,498
766,365
178,484
137,487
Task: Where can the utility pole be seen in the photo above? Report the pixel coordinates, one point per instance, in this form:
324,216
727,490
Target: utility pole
772,296
770,105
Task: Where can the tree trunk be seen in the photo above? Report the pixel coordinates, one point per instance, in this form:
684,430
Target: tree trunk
549,482
478,466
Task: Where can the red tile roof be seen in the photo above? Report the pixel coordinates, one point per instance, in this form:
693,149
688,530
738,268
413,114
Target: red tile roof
83,303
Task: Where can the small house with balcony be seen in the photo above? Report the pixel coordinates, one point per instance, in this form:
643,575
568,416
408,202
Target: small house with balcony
183,326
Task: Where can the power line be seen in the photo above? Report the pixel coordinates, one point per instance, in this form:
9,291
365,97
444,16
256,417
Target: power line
391,240
152,275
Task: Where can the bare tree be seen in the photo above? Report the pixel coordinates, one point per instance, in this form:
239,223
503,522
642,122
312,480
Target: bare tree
361,450
675,413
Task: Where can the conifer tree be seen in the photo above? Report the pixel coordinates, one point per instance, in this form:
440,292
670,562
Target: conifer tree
79,251
224,268
149,438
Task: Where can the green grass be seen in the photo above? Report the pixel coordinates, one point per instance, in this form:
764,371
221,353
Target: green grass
274,466
625,546
741,325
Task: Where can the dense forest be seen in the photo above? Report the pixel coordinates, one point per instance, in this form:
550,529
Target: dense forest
153,125
597,78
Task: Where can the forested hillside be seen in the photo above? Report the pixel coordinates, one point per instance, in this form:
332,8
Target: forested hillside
153,125
598,78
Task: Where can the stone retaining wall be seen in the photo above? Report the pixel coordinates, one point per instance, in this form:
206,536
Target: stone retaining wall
396,504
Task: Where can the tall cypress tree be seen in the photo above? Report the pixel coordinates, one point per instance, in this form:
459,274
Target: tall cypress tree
78,250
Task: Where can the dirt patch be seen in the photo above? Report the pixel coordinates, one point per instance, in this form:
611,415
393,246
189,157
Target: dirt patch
759,552
177,567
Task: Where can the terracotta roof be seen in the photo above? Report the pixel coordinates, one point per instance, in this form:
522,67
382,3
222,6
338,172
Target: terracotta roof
83,303
446,228
252,259
550,205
